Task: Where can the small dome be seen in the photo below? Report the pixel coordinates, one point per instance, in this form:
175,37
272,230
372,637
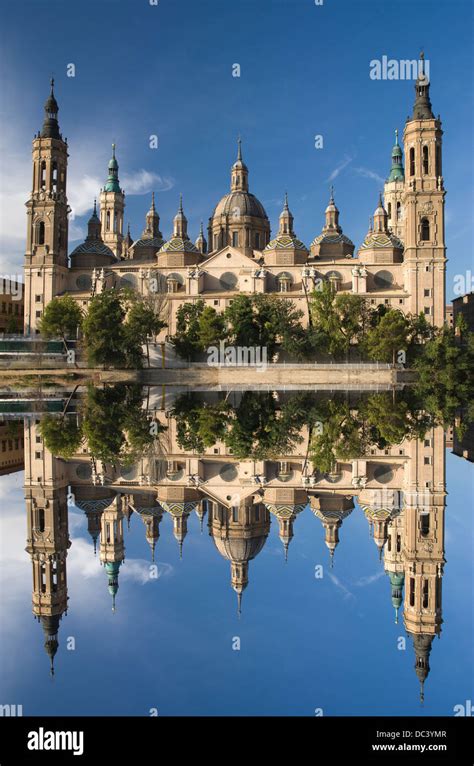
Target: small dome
93,247
155,242
178,245
286,242
332,239
240,203
381,239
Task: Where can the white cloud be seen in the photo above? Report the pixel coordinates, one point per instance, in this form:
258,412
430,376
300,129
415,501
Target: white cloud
340,586
369,579
83,185
367,173
339,168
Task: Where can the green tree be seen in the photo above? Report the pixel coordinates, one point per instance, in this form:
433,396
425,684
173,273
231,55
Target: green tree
340,319
62,316
62,436
212,328
186,339
391,335
239,317
103,330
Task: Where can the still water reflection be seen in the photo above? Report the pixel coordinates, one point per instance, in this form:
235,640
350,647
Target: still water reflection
354,489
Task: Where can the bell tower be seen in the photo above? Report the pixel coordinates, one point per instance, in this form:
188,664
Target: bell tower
112,205
46,262
423,203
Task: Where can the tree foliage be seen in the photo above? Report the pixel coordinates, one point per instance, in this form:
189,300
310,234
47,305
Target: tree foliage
62,316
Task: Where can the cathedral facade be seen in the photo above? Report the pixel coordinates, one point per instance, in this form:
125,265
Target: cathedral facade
401,262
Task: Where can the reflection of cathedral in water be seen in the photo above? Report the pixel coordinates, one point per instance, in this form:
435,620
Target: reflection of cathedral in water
401,491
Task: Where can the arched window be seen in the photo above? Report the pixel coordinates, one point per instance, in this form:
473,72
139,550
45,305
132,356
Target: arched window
438,160
412,162
399,210
425,594
389,209
107,220
425,230
412,591
235,238
235,513
43,578
426,166
43,175
425,523
41,519
257,241
40,233
54,177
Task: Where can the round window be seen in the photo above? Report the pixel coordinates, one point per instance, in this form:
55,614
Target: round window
84,282
228,472
383,279
383,474
129,472
228,281
84,471
128,280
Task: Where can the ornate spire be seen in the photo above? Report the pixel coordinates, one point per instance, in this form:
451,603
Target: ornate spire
380,217
112,184
93,225
50,124
201,244
239,179
180,222
152,221
422,107
286,219
396,171
332,216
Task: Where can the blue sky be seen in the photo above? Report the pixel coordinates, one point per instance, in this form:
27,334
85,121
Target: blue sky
306,643
167,70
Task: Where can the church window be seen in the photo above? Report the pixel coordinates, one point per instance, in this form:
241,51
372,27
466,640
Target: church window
43,578
438,160
41,523
54,177
235,238
425,230
235,513
399,543
40,233
257,241
389,209
426,165
425,593
43,175
107,220
412,162
412,591
399,210
425,523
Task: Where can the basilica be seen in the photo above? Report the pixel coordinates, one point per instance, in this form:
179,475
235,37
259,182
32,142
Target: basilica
401,262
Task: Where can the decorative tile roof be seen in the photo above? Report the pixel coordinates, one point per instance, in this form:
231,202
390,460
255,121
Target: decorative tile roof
178,245
380,239
93,247
332,239
286,242
156,242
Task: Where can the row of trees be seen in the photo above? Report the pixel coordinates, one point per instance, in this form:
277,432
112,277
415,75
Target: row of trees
112,420
338,321
116,327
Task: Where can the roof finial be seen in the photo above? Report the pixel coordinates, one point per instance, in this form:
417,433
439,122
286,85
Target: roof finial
396,136
95,207
153,200
285,207
239,148
332,194
51,82
113,150
180,203
239,604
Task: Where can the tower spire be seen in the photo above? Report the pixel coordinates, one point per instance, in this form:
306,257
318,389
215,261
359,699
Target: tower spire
50,124
422,107
396,170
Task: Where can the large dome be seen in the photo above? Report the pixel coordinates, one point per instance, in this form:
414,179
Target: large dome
240,203
239,549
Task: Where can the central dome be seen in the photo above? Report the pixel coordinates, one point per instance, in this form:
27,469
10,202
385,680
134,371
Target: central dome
239,218
240,203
